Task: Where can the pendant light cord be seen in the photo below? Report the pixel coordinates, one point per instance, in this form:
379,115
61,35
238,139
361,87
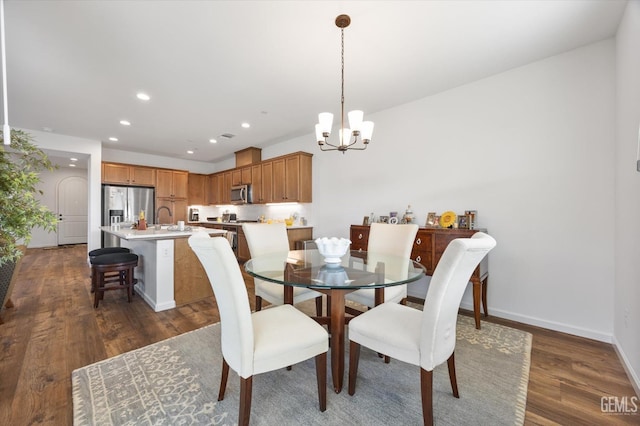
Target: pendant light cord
6,130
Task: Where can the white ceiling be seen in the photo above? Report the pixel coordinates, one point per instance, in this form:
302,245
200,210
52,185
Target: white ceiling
76,66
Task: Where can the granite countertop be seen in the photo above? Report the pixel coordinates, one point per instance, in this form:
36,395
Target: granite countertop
127,233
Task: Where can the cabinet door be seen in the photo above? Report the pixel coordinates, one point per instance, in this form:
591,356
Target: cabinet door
143,176
267,182
180,209
304,179
279,184
164,182
226,189
196,189
236,177
256,183
180,184
243,248
359,236
211,189
246,176
292,178
115,173
163,214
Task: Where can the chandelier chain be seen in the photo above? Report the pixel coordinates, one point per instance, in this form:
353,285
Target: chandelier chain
342,86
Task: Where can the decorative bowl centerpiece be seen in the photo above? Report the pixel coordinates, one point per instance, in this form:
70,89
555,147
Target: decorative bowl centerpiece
332,248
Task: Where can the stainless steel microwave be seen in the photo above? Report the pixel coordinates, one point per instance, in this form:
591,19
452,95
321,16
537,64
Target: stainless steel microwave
241,194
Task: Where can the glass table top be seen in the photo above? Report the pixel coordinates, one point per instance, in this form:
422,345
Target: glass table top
357,269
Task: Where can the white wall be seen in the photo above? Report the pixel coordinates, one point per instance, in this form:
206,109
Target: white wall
118,156
627,243
92,151
531,149
49,198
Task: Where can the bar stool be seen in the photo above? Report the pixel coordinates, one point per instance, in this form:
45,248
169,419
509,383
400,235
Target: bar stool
113,272
99,252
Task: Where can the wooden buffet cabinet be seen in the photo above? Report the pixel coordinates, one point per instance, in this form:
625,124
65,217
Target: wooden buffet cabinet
427,250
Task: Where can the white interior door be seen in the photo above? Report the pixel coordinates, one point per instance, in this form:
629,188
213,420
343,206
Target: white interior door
72,210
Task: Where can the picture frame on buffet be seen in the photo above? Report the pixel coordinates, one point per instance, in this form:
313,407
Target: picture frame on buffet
365,221
384,219
463,221
432,220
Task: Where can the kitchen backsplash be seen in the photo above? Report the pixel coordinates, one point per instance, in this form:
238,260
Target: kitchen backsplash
253,212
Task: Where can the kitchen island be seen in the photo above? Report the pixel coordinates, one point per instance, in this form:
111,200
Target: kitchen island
168,272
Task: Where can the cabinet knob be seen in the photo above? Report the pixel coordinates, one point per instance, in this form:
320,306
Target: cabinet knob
419,259
418,241
359,236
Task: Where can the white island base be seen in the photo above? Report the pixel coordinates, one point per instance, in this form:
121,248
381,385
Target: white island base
165,278
154,272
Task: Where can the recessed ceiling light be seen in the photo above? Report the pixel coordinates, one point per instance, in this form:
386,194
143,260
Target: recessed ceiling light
246,125
189,152
213,141
125,123
72,165
73,159
112,139
47,129
143,96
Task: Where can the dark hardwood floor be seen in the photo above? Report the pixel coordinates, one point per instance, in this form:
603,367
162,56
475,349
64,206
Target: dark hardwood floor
53,329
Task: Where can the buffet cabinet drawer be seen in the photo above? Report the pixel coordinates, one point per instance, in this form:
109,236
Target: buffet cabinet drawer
359,236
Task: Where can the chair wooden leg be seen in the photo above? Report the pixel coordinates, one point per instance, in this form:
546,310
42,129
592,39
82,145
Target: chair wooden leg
245,401
258,303
223,379
451,363
319,306
484,297
354,357
321,373
426,385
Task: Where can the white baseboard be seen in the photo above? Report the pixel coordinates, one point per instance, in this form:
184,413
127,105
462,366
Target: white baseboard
633,376
556,326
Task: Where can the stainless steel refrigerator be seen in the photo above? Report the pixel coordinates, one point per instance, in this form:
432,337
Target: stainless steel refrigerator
125,204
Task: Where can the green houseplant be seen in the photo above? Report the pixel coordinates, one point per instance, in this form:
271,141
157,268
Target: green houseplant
20,210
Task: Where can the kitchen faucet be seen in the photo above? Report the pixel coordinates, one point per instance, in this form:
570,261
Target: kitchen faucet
158,213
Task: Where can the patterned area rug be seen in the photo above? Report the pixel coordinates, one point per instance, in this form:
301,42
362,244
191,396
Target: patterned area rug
175,382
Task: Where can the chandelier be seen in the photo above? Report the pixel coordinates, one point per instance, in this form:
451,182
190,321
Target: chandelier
348,137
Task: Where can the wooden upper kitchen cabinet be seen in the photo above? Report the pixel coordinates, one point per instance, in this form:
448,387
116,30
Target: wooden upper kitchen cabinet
172,184
241,176
127,174
292,178
196,189
214,188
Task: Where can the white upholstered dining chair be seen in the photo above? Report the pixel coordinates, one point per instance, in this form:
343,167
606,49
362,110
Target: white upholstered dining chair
426,338
264,341
264,239
385,239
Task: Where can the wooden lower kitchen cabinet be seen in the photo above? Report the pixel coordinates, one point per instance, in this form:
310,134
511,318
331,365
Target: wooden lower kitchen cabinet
427,250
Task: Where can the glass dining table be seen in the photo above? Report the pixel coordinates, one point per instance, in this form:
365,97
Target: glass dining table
356,270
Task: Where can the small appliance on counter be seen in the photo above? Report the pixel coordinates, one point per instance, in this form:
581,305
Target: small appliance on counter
194,215
229,217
